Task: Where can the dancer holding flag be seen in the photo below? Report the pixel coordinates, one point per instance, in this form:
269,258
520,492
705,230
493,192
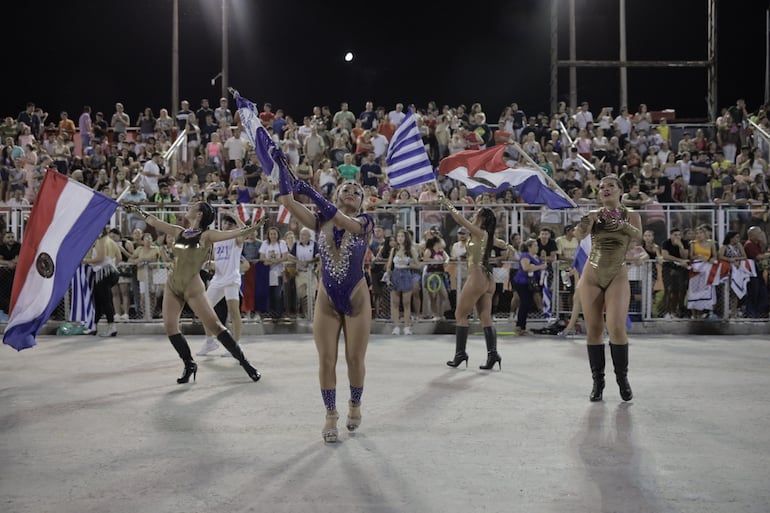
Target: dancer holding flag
604,283
479,287
192,247
343,301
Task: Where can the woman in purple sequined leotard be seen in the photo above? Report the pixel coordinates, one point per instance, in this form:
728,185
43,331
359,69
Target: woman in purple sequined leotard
343,301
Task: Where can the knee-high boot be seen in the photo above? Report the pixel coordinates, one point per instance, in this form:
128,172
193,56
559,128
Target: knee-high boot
183,349
461,340
596,360
619,354
493,357
231,345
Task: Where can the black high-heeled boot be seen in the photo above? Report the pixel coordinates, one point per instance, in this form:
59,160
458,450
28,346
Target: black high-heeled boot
596,361
619,354
231,345
183,349
461,340
493,357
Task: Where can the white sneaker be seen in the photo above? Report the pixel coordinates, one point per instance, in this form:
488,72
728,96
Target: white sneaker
407,330
225,354
667,316
396,331
208,346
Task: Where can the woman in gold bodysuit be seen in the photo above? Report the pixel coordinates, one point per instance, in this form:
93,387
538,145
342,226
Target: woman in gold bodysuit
603,288
184,284
479,287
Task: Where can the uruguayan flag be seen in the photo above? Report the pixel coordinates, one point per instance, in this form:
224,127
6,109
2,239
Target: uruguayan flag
581,255
407,162
81,304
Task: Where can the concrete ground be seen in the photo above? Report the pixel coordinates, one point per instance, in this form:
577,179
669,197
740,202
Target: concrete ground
94,425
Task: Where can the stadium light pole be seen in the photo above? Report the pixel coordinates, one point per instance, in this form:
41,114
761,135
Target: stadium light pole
175,60
225,50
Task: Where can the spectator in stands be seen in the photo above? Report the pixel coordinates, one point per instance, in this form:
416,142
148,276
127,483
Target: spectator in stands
403,264
274,253
731,250
700,294
9,257
756,302
222,114
120,121
700,175
675,254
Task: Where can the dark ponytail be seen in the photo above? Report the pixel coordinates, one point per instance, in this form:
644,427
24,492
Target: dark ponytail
489,225
207,215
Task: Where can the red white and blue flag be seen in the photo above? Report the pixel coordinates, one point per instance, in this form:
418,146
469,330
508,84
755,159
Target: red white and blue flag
66,219
488,171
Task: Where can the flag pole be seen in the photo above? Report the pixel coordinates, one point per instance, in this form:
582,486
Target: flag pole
551,182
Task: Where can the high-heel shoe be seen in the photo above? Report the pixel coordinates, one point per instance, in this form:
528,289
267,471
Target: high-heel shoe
190,369
493,357
354,416
329,432
458,359
251,370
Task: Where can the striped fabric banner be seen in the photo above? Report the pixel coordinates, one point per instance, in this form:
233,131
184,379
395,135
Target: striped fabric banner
407,161
81,304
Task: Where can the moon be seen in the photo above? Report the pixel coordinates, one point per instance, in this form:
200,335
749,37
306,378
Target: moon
348,56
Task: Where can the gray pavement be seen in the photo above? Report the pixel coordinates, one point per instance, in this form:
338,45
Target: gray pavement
99,425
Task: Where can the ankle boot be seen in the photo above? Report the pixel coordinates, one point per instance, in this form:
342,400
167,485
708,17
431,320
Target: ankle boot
461,340
493,357
619,354
231,345
190,367
596,361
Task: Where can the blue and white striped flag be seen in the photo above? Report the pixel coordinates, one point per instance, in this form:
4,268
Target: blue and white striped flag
547,310
81,304
407,161
581,255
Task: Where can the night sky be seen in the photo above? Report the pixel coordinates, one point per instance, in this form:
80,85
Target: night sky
290,53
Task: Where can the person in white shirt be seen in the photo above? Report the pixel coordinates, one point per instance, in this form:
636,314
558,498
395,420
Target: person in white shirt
150,175
235,149
397,115
379,145
226,282
583,116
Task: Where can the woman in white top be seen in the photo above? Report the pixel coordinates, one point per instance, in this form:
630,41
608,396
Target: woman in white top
402,262
326,178
274,252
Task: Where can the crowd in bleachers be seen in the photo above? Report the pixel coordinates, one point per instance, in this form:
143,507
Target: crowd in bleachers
123,157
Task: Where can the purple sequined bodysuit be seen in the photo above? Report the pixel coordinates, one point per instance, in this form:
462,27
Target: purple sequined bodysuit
342,263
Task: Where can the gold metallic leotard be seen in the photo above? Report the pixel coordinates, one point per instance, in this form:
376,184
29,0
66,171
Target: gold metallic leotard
189,257
475,251
608,250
